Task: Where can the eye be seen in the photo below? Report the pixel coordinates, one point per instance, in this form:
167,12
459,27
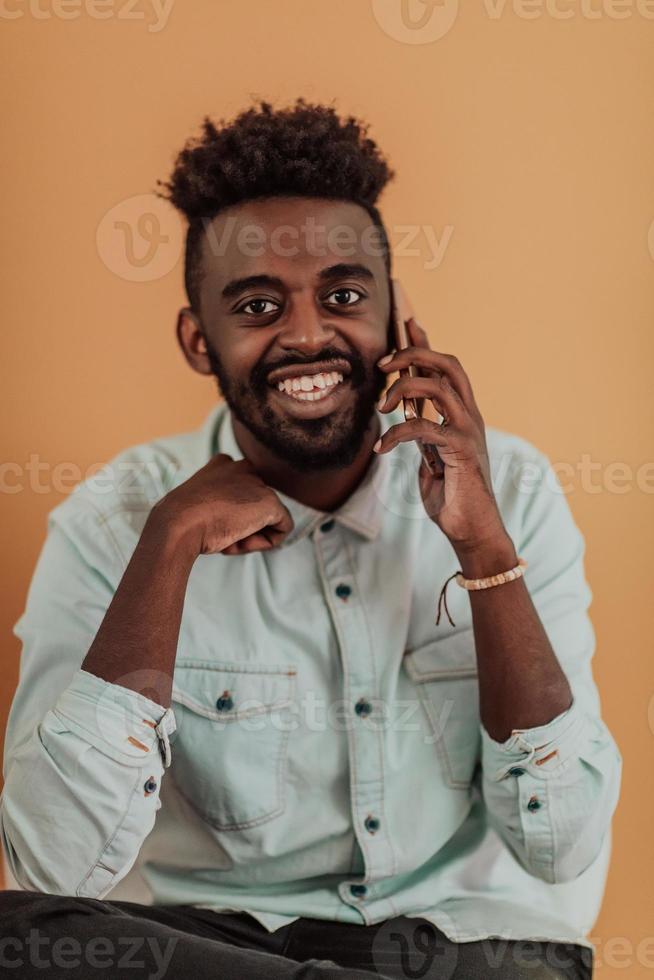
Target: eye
258,307
345,296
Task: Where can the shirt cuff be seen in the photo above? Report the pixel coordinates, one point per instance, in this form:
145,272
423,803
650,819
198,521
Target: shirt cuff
543,751
120,722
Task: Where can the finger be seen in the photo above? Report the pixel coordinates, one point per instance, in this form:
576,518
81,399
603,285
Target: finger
263,540
434,362
276,535
427,477
270,536
283,525
431,465
244,464
253,542
423,429
438,390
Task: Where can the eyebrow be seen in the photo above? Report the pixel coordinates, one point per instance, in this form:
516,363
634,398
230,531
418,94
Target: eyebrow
339,271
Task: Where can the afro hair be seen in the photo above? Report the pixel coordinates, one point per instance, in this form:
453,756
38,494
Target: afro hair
304,151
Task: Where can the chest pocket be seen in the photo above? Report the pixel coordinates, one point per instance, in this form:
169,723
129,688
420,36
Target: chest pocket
445,674
230,754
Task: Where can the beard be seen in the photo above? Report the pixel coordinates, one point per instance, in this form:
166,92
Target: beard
306,445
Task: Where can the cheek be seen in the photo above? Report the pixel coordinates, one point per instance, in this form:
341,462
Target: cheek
370,340
239,355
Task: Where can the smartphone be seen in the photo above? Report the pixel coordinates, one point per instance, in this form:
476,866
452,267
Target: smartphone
402,312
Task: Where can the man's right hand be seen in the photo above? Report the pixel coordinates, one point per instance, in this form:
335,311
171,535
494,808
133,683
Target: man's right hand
225,507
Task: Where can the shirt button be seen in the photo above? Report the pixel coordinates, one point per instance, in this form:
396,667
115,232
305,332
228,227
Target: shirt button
363,707
372,824
517,771
358,890
327,526
224,702
534,804
343,591
150,785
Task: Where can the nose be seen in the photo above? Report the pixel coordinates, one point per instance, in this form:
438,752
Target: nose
306,328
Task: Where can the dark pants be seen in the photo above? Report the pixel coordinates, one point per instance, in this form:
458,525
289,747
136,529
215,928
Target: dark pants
63,937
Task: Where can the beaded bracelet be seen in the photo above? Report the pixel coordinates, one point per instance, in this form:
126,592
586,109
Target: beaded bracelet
472,584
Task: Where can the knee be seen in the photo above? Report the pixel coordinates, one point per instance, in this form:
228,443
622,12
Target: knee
13,900
523,960
554,962
20,910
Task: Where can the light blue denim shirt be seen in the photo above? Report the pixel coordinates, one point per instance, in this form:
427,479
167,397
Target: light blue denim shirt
323,755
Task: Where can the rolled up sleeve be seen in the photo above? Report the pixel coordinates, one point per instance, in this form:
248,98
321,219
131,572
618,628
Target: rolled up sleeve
84,758
551,791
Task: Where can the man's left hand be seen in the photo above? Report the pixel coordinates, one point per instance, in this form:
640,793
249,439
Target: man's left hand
458,496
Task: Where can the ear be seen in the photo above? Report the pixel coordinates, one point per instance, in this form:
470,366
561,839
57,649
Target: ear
190,337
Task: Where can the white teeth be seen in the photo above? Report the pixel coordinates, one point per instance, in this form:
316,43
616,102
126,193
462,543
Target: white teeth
310,388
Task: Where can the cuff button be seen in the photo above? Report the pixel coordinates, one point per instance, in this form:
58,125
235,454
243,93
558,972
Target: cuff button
150,785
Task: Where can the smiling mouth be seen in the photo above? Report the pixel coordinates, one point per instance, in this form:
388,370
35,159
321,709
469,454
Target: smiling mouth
310,388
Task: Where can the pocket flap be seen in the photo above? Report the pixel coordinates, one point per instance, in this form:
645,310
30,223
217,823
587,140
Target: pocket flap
226,691
449,657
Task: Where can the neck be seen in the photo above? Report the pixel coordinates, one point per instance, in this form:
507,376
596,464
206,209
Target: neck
325,490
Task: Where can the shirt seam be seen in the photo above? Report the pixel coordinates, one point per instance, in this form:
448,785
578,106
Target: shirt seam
109,842
101,523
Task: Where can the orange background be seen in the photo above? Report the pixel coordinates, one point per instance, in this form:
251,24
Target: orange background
529,139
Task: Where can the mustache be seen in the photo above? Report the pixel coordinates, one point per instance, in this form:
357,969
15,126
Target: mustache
259,376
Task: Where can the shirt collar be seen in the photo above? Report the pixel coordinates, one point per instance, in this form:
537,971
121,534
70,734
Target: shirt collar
362,512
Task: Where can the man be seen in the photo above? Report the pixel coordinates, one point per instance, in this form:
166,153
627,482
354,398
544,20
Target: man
233,684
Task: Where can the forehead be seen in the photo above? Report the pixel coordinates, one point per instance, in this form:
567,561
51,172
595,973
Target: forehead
291,238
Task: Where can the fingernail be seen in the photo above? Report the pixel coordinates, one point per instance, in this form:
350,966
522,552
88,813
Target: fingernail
377,446
385,360
381,402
